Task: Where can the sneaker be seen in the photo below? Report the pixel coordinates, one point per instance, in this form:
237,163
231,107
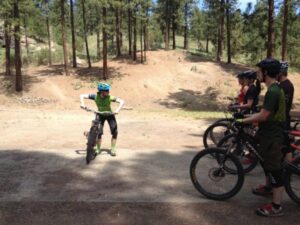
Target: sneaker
269,211
113,152
97,151
262,190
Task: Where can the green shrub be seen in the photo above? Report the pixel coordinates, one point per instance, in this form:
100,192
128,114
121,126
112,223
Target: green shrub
41,57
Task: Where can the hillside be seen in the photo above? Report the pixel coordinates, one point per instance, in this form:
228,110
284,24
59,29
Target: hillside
169,80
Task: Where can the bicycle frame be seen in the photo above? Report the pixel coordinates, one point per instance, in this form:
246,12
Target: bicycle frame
93,133
250,142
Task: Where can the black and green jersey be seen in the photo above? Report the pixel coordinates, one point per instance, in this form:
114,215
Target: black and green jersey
274,102
103,104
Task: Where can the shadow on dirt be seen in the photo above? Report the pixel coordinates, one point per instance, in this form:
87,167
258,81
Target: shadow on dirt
38,176
127,59
84,73
194,100
54,70
95,73
44,188
8,84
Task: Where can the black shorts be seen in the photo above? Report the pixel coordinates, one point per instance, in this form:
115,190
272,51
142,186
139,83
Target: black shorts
112,125
270,150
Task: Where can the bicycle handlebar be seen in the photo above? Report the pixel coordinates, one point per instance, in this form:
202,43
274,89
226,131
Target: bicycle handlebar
104,113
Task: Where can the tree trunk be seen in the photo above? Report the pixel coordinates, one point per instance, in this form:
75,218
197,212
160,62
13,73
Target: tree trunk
121,32
26,38
221,32
48,34
141,40
129,31
207,44
185,45
174,32
146,38
98,32
85,35
145,42
284,31
118,31
98,45
167,21
271,31
62,19
7,35
17,34
104,34
134,38
112,41
167,36
73,34
228,31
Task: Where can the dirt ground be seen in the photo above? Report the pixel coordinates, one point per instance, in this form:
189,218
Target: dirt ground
43,175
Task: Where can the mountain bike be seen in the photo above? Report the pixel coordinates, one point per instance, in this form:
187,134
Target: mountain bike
222,176
222,127
92,135
243,144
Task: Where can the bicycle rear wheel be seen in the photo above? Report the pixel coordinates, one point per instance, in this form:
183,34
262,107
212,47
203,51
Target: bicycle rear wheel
92,138
243,152
211,179
292,184
215,132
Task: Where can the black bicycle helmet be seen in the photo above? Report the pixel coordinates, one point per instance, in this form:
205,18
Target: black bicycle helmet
271,66
250,74
240,75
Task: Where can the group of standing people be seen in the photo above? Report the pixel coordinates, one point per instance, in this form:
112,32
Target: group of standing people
273,118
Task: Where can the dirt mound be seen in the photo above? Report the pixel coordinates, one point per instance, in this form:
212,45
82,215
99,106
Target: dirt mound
169,79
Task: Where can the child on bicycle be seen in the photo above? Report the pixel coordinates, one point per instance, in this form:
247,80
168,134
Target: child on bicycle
103,101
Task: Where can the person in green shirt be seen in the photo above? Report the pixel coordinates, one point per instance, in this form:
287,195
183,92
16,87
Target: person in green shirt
103,100
270,137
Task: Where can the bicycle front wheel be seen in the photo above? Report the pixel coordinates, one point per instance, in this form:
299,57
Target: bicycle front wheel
92,138
292,184
211,179
215,132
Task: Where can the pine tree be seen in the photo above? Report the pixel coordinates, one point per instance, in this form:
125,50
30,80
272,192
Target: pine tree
63,30
17,36
271,30
73,33
85,34
6,12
